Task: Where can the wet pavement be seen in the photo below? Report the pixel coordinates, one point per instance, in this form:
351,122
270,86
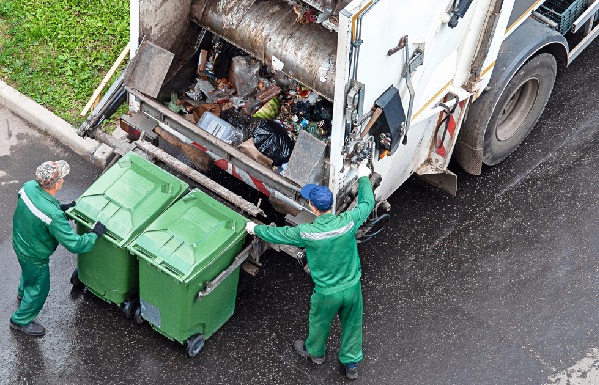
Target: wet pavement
498,285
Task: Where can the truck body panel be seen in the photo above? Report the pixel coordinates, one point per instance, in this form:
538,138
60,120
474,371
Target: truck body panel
374,46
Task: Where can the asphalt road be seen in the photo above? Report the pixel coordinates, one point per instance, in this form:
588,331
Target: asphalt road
498,285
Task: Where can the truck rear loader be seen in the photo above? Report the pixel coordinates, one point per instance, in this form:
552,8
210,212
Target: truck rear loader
412,83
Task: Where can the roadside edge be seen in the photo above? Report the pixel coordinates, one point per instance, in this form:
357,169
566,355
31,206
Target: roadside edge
42,118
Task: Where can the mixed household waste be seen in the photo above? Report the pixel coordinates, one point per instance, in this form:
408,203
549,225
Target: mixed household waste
251,106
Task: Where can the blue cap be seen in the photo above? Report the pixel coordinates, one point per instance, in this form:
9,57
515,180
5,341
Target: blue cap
320,196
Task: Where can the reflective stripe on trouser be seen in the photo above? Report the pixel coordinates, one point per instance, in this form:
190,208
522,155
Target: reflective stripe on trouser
323,308
35,283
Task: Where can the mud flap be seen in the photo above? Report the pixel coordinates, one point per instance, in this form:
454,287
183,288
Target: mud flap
447,181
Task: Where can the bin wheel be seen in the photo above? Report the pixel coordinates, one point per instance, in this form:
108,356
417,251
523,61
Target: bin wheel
129,309
195,345
75,278
137,317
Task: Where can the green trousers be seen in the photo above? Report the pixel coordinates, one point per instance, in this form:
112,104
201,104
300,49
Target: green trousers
34,287
323,309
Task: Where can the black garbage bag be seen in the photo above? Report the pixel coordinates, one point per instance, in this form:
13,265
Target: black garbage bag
271,139
322,110
239,120
302,109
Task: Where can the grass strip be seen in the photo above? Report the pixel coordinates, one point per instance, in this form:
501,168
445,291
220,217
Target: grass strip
57,51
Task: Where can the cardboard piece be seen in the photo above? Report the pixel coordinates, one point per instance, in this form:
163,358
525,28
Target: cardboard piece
249,148
214,108
191,118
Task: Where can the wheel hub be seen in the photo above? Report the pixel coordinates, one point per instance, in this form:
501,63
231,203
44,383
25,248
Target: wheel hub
516,109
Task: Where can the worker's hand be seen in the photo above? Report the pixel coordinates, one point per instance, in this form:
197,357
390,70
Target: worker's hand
363,170
99,229
66,206
249,227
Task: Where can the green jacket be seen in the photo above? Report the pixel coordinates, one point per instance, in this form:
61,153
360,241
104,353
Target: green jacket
330,242
39,225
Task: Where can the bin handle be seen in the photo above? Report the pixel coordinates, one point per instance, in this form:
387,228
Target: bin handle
256,247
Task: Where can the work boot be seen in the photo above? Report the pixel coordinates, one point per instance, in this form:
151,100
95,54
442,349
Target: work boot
351,370
32,329
300,348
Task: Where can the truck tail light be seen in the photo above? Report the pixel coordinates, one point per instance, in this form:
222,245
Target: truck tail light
133,132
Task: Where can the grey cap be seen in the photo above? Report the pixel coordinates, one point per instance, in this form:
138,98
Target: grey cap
51,171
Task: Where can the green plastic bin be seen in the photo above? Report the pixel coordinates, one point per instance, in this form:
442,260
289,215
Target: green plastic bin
188,245
126,198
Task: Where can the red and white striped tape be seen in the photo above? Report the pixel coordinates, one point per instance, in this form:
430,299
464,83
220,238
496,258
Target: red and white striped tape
225,165
441,148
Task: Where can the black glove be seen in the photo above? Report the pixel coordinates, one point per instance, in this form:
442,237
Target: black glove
99,229
66,206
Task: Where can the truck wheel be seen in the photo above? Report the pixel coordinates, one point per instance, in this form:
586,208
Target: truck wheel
195,345
519,107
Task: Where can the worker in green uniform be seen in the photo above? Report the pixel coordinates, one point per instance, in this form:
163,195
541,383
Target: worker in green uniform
39,225
332,255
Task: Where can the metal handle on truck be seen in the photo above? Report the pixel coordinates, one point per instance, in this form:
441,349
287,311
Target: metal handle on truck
257,246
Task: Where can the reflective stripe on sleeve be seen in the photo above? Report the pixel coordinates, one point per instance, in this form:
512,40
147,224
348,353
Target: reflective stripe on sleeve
328,234
43,217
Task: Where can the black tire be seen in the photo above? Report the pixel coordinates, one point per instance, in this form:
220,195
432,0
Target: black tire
75,278
519,107
137,316
194,345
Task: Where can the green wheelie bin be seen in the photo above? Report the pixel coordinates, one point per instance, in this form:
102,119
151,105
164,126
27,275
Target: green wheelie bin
126,198
187,246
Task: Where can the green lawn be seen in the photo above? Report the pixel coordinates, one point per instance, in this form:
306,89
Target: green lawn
58,51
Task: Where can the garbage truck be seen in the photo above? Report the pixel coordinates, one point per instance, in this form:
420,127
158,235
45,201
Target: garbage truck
404,86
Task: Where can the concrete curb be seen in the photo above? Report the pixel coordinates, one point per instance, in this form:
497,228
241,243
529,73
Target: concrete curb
40,117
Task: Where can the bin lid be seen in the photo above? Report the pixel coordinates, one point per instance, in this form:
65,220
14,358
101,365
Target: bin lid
190,235
127,197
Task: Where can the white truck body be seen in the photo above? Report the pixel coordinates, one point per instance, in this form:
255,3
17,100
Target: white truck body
455,66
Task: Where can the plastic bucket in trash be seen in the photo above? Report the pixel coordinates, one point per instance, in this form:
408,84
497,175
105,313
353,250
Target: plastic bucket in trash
126,198
188,245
